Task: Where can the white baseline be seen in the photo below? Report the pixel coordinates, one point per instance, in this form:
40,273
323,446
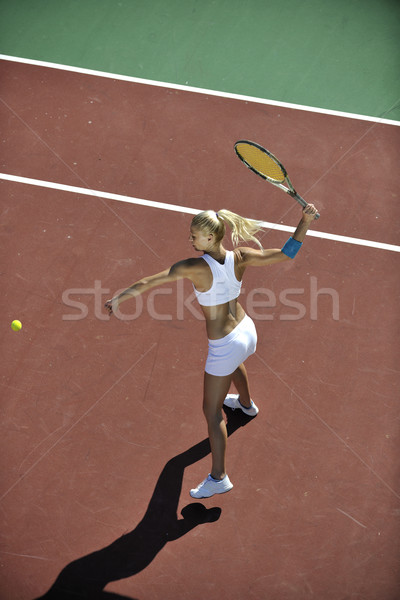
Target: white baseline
187,210
197,90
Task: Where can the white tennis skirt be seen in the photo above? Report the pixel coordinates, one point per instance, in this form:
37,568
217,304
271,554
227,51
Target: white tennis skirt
227,353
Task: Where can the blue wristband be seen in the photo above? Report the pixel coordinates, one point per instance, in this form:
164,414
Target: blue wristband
291,247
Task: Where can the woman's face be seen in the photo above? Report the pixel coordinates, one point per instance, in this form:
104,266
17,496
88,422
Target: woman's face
199,240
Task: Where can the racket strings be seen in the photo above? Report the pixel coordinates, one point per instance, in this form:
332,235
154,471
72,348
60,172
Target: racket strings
261,162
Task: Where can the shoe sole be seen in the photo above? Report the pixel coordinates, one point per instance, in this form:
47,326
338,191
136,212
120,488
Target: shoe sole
210,496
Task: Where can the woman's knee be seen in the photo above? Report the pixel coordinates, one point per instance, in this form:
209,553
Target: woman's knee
215,390
211,410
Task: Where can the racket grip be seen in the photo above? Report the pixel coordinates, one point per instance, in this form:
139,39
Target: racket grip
303,203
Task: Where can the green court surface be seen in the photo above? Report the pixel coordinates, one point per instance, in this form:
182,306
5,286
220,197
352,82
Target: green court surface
341,55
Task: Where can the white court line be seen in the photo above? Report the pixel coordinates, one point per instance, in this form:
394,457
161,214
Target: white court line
197,90
188,210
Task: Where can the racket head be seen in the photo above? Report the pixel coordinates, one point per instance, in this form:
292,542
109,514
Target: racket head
260,161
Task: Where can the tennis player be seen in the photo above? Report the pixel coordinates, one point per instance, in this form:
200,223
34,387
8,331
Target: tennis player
217,279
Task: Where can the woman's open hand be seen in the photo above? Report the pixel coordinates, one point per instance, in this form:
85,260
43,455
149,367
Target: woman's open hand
111,305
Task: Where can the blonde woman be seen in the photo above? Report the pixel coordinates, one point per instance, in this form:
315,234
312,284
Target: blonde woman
217,278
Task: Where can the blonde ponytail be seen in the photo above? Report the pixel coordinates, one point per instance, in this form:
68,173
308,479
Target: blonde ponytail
241,228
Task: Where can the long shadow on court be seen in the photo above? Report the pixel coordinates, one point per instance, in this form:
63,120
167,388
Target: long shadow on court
87,577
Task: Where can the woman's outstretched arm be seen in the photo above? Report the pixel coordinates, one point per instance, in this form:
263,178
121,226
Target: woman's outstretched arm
179,270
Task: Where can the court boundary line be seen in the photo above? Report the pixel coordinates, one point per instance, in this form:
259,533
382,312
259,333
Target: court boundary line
197,90
187,210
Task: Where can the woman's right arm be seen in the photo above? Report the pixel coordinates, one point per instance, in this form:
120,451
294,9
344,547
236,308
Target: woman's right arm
177,271
261,258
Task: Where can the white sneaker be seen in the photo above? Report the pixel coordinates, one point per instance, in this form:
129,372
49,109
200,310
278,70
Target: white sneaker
232,401
209,487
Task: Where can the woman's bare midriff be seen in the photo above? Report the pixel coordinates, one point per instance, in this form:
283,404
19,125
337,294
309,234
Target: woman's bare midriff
222,319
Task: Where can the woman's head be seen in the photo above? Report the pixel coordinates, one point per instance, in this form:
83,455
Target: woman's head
210,225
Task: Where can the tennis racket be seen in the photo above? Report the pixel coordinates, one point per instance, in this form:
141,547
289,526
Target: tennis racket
266,165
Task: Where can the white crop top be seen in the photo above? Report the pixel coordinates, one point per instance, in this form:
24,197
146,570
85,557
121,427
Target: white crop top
225,286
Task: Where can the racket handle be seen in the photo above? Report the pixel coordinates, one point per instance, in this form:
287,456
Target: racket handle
301,201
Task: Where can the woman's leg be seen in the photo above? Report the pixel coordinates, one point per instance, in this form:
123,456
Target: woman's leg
215,391
241,383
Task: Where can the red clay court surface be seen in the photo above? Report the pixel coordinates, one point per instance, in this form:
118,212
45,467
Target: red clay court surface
102,427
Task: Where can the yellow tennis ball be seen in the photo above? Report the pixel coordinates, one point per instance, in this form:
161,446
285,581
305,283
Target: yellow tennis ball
16,325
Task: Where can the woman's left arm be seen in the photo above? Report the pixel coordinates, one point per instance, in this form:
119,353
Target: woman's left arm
177,271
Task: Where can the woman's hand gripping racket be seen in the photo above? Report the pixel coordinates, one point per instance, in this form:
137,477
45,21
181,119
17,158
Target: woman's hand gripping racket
267,166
